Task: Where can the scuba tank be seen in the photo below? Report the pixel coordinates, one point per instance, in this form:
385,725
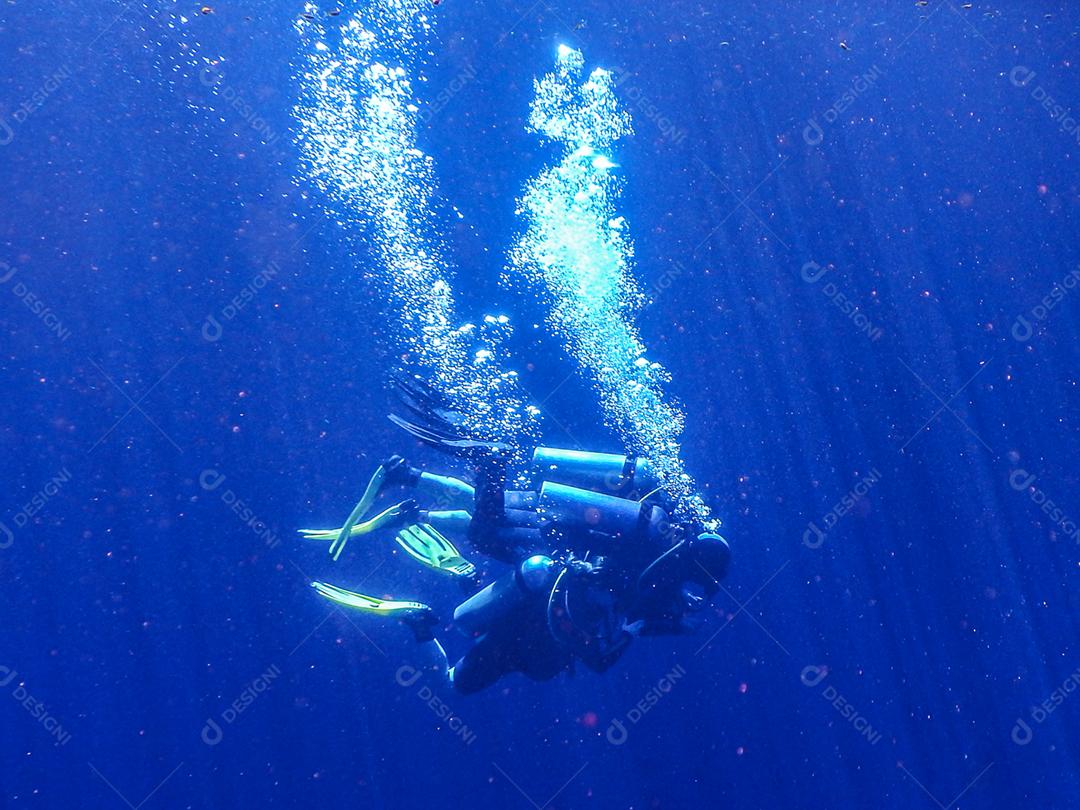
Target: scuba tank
529,581
574,509
605,472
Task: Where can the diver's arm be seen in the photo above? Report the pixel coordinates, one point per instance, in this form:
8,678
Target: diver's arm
601,660
455,522
447,492
488,530
666,626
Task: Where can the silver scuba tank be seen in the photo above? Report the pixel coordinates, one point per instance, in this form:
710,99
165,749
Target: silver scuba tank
604,472
583,509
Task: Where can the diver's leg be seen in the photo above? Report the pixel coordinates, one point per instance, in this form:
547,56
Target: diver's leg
430,659
446,491
517,645
454,522
480,667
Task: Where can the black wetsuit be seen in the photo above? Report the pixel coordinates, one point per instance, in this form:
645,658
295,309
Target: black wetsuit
520,642
508,526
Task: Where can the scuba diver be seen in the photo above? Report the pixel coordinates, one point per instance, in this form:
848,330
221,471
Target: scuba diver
594,562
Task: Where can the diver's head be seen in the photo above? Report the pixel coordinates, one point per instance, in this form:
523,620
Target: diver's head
709,558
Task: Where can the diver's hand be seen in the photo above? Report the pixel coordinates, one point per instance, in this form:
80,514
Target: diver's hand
633,628
692,602
584,568
579,568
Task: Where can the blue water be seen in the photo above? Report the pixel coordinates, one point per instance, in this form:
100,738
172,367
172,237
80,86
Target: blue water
858,231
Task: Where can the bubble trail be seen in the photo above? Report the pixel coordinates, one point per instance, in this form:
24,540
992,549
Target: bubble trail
357,117
577,253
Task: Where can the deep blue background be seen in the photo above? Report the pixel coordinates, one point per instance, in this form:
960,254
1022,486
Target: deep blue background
945,200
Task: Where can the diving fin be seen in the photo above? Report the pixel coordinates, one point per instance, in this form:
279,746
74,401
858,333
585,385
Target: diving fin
403,511
341,536
417,616
458,445
426,545
365,502
363,602
427,403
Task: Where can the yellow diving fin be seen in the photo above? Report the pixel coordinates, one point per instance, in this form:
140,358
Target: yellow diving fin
429,547
418,617
339,536
353,529
366,603
365,502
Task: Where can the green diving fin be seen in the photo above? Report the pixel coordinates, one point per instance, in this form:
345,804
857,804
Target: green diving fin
368,604
361,508
429,547
352,529
418,617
